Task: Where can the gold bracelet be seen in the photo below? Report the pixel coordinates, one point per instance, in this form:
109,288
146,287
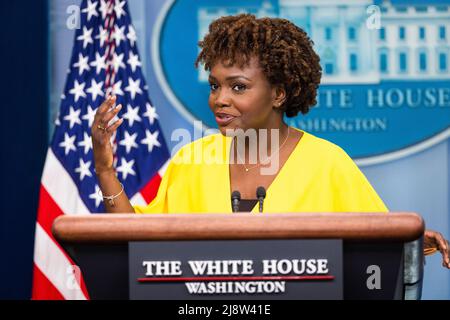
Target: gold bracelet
111,198
111,170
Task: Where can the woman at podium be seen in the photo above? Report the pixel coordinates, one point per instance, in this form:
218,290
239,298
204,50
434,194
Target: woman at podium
260,71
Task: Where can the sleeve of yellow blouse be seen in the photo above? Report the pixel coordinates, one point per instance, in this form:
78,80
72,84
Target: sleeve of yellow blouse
353,192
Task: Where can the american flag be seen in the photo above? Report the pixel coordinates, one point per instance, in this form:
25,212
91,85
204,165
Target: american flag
105,60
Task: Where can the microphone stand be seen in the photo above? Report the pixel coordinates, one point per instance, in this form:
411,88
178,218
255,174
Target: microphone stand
261,195
235,200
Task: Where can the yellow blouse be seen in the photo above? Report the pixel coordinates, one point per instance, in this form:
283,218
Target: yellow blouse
318,177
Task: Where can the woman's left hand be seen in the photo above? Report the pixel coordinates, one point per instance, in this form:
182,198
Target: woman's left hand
435,241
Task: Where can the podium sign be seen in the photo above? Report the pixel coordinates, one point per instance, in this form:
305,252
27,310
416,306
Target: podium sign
232,269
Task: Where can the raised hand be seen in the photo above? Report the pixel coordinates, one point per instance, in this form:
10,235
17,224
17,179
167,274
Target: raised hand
102,132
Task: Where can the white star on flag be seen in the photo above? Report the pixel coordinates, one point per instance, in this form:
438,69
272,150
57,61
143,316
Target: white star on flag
119,34
132,115
126,168
151,140
57,121
68,143
95,89
151,113
90,10
129,141
82,64
118,8
134,87
117,88
99,63
131,35
78,90
86,143
86,37
89,116
83,169
103,9
102,35
96,196
134,62
118,62
73,117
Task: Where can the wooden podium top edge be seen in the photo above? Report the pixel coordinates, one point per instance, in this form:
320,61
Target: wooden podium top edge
114,228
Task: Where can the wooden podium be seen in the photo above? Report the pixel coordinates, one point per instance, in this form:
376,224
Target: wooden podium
99,244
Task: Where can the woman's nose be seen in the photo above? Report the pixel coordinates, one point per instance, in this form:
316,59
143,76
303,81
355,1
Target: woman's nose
222,98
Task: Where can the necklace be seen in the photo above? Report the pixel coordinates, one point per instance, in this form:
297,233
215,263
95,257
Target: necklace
268,158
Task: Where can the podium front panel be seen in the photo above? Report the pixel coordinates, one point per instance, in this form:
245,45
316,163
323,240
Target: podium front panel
236,269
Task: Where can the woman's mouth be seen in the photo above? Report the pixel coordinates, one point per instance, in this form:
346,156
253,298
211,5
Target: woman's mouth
224,119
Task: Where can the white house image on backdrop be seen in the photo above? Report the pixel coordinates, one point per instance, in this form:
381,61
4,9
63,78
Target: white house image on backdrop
413,42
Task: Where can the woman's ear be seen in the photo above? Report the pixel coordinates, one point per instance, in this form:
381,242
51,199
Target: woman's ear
279,96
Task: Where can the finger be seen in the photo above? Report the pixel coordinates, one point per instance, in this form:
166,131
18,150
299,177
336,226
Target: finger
110,115
446,253
446,263
445,260
434,239
114,126
440,243
106,105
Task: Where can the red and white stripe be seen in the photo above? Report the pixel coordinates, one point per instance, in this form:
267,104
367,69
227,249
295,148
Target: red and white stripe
110,48
52,277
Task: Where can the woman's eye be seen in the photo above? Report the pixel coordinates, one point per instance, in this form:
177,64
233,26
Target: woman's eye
213,86
239,87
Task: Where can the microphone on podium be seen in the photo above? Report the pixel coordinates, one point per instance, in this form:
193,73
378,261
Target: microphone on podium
260,194
235,200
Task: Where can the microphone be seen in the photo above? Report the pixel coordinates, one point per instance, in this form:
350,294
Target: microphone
261,194
235,199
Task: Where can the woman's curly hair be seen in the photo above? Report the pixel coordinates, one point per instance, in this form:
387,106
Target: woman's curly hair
285,54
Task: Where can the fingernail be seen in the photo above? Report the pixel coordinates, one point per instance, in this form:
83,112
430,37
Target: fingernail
119,106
